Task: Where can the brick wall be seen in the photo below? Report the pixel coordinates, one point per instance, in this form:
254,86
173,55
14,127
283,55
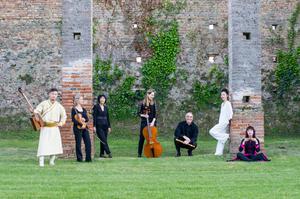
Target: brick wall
245,70
77,64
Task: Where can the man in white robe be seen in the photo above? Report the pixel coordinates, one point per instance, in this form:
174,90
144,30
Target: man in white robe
54,116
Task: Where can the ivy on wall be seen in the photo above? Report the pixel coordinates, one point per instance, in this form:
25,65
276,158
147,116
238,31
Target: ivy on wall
158,71
287,72
110,80
292,30
207,95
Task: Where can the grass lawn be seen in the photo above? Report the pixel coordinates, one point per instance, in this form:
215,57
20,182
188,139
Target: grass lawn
125,176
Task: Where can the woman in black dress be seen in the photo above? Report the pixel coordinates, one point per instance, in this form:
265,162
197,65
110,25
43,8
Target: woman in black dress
102,125
79,132
146,110
249,149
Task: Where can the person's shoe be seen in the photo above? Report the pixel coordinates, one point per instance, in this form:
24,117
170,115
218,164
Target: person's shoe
139,155
218,154
52,159
79,160
109,155
178,155
41,162
88,160
102,156
190,153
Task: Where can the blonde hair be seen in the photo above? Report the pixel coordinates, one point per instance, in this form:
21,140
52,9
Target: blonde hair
146,100
76,98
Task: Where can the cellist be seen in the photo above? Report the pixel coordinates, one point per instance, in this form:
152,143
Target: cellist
79,129
146,110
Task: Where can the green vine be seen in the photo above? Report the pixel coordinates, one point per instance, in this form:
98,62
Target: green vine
158,71
207,95
122,100
107,79
287,72
292,31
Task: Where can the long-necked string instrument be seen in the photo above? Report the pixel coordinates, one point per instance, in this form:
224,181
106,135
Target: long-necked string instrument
36,119
178,140
152,148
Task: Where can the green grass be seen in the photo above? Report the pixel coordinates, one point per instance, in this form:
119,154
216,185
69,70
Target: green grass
125,176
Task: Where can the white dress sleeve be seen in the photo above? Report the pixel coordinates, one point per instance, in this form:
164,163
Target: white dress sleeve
228,110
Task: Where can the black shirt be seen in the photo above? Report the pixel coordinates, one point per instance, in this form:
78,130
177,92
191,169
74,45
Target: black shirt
191,131
143,109
83,113
101,117
250,147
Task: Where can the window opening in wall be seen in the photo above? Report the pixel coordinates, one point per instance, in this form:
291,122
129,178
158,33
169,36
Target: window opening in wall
246,99
76,35
247,35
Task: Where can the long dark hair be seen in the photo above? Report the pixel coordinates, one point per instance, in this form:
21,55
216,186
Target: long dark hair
225,90
98,99
250,128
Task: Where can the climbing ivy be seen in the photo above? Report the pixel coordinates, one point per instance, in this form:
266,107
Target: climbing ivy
122,100
287,72
207,95
158,71
110,80
105,75
292,31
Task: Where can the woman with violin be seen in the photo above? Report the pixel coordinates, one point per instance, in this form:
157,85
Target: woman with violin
80,129
147,112
102,125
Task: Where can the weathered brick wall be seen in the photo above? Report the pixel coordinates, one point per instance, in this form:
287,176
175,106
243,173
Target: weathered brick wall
30,51
38,52
245,70
31,47
77,64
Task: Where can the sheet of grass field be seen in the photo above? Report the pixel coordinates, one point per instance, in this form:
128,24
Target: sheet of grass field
126,176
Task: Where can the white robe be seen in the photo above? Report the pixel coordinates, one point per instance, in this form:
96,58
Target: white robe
50,139
219,131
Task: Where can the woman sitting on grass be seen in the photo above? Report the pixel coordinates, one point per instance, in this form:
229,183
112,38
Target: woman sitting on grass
251,147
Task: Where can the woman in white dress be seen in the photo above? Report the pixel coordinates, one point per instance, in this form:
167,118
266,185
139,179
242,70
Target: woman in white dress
219,131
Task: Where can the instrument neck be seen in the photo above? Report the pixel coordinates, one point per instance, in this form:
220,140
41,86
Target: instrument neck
27,101
149,129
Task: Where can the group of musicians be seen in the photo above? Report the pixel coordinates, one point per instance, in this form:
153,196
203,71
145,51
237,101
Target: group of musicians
54,115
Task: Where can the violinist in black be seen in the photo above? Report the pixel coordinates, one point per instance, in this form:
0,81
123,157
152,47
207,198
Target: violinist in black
146,110
249,149
102,125
186,135
79,132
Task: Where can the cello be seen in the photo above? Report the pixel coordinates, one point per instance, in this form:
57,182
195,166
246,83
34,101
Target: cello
153,148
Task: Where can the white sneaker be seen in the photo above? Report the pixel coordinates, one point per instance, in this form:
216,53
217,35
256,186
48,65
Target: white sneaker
51,162
41,161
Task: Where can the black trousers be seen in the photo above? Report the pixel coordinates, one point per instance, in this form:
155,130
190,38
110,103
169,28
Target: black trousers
258,157
79,135
102,135
179,145
142,138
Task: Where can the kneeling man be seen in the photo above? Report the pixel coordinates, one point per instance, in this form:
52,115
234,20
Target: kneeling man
186,135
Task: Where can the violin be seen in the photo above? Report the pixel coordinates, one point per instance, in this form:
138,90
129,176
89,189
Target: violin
153,148
78,117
